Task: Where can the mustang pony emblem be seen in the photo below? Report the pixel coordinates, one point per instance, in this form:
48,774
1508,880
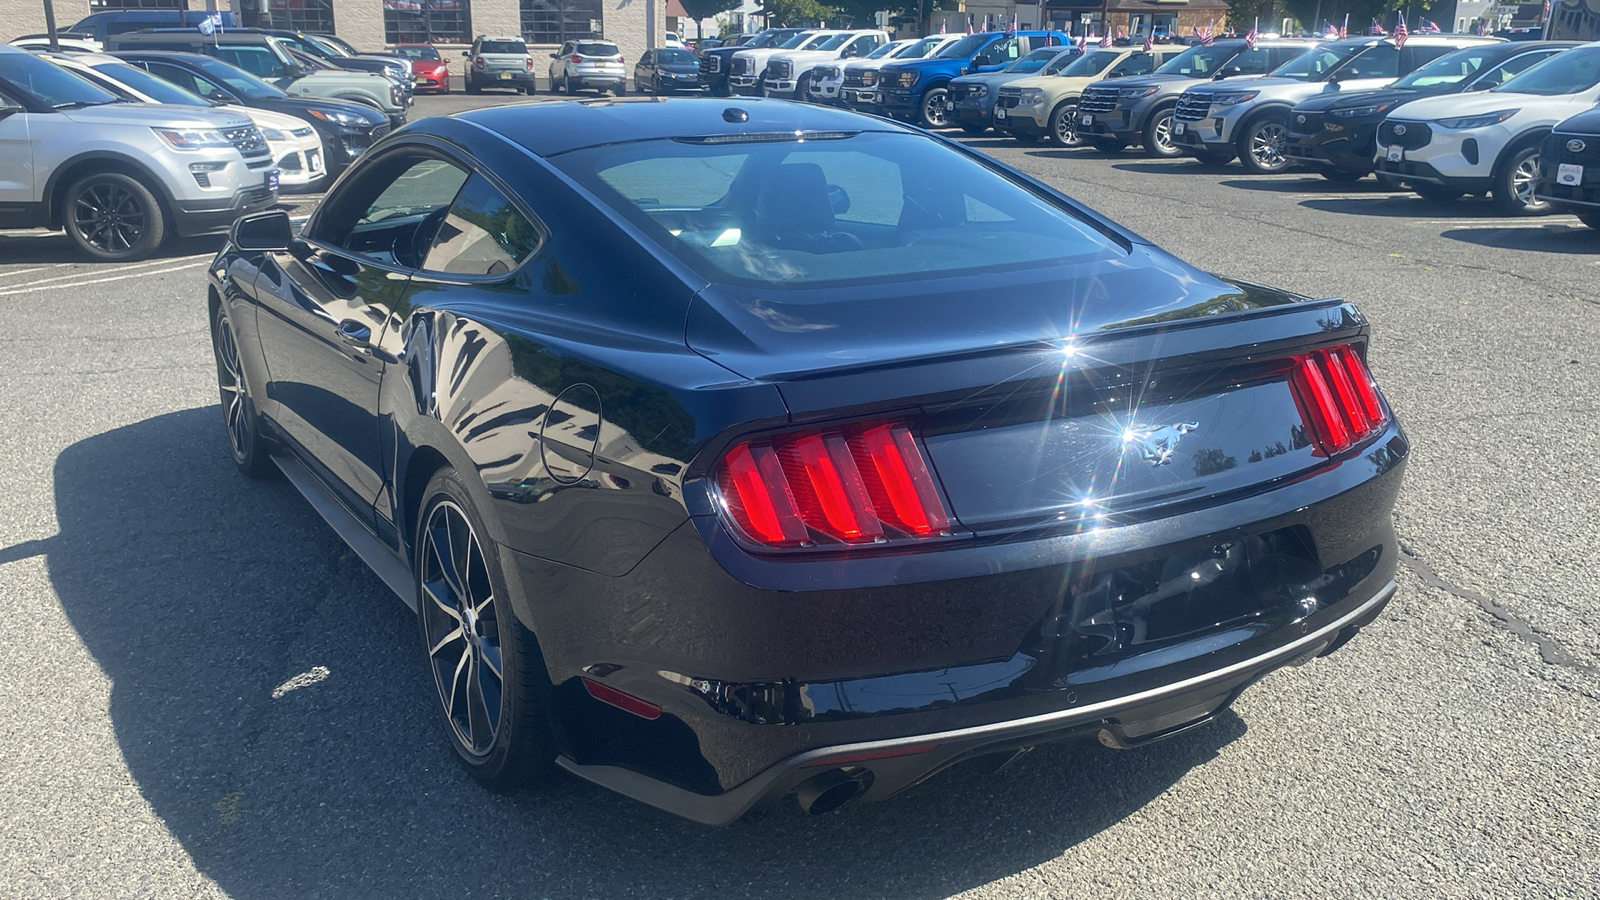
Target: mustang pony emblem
1157,445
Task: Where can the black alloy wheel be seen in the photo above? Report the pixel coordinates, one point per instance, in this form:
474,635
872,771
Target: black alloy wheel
933,111
1064,126
113,217
1515,182
1158,140
250,451
486,666
1261,145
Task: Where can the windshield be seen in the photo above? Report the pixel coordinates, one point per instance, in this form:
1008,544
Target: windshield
768,38
157,89
795,40
1565,73
344,46
1452,68
964,47
832,43
1033,62
1092,63
239,81
919,49
869,207
417,52
329,46
517,47
49,85
1061,60
887,50
1315,64
1198,62
674,58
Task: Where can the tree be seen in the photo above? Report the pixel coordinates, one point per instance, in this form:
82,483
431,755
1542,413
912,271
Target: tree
799,13
699,10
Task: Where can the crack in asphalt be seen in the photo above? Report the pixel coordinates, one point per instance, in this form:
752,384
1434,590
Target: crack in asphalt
1550,650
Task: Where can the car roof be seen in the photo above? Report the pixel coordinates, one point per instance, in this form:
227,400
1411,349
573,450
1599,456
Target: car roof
180,56
547,129
492,37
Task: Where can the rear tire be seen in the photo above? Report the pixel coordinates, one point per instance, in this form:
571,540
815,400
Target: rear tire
1063,126
1514,182
113,217
251,452
932,110
1158,142
498,722
473,87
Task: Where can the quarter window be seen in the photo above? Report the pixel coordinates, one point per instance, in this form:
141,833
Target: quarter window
258,61
391,210
483,234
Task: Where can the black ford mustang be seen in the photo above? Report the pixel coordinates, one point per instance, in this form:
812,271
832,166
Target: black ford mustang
733,451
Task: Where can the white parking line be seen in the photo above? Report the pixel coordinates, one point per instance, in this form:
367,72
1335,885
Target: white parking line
128,268
1503,222
35,269
27,288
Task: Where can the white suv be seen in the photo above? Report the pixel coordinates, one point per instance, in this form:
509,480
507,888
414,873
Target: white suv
588,64
1443,147
788,71
119,177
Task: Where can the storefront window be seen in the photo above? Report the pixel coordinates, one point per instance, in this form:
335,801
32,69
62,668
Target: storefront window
559,21
108,5
311,16
427,21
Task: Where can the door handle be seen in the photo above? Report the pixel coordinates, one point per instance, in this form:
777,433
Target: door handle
354,332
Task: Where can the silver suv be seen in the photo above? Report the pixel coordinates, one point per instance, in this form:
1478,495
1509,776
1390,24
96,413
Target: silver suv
588,64
120,177
499,62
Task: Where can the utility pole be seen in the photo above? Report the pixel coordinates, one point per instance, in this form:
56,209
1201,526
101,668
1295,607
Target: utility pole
50,26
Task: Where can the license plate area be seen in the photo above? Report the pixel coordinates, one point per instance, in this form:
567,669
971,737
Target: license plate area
1179,128
272,179
1569,174
1395,154
999,113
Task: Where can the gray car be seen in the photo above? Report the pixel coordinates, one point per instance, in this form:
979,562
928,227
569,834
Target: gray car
499,62
588,64
970,103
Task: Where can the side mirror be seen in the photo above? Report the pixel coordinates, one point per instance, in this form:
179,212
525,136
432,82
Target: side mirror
552,56
981,60
466,53
1483,85
7,112
262,231
1228,72
1117,73
295,71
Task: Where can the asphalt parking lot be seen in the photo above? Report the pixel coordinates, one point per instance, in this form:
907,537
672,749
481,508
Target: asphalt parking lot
204,694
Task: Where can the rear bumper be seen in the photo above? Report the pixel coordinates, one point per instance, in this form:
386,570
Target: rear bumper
955,654
886,767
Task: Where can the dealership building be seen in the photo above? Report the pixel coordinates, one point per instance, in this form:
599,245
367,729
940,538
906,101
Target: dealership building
635,25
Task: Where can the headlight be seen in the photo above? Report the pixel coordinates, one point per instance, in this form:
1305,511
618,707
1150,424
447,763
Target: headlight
1355,112
273,134
192,140
1030,97
1233,98
980,90
1479,121
1135,93
869,78
349,120
907,79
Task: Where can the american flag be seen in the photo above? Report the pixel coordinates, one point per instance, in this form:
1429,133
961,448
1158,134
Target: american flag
1377,29
1207,35
969,24
1483,26
941,26
1344,30
1105,39
1083,42
1400,32
1011,28
1230,32
1428,27
1328,31
1149,40
1250,38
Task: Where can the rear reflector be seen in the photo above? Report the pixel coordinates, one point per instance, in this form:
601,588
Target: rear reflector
856,485
1337,398
628,702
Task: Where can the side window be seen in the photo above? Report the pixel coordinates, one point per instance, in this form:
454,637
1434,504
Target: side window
1258,61
1277,56
1513,66
483,234
392,209
1414,57
1001,51
1137,64
1380,61
258,61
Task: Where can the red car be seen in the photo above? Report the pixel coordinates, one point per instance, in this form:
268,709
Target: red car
431,70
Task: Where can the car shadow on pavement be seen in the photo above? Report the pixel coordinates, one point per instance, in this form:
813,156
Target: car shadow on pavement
1408,206
55,247
1531,234
1178,165
269,701
1316,184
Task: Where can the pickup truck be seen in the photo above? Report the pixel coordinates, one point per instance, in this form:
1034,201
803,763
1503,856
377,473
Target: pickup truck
717,62
788,72
915,90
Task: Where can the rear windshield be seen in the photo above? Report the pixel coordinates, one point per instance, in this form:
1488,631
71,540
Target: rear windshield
1091,63
503,47
597,48
1033,62
865,207
158,90
417,52
675,57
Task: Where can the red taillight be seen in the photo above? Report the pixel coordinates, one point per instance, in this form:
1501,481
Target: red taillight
478,63
528,61
1337,398
850,484
577,59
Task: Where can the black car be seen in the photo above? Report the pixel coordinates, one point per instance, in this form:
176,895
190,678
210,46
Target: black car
734,451
347,129
1569,167
1336,133
716,64
665,71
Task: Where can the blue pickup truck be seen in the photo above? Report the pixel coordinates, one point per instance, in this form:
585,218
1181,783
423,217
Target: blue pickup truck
914,90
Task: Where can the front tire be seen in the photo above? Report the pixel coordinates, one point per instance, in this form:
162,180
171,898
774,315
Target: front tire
251,453
1261,146
113,217
1064,126
1514,182
490,684
1158,142
932,111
